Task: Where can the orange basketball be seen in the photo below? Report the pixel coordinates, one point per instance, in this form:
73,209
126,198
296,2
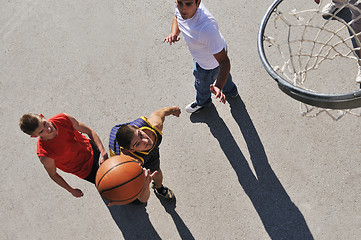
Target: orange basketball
120,179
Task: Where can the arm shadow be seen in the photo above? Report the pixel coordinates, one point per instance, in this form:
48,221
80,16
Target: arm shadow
280,216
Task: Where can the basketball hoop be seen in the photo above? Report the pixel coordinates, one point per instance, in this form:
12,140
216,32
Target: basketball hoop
313,60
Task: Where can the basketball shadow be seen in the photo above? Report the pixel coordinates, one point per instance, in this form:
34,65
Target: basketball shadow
280,216
133,221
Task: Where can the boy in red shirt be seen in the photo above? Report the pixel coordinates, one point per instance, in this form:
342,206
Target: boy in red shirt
61,145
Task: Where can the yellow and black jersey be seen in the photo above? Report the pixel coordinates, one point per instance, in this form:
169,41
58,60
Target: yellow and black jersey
142,123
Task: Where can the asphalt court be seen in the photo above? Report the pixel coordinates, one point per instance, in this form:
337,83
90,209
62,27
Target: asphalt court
252,168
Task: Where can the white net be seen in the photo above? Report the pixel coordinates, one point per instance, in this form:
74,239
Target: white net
316,51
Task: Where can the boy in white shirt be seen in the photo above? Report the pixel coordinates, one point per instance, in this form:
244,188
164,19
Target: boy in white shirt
208,48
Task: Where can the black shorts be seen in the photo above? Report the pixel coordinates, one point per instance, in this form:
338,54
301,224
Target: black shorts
153,163
93,173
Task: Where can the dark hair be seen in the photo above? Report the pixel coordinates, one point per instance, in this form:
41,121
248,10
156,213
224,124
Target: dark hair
29,122
125,135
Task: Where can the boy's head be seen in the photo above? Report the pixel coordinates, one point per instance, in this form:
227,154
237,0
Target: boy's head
125,135
29,122
132,138
187,8
37,126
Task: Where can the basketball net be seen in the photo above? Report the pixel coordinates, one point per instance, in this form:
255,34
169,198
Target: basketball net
309,46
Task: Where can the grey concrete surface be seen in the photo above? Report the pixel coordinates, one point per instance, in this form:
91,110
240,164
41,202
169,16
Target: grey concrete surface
250,169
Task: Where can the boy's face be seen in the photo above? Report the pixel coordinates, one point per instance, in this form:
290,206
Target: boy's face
141,141
46,130
187,8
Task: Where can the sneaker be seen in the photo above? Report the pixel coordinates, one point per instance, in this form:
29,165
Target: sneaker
328,10
166,193
358,77
193,107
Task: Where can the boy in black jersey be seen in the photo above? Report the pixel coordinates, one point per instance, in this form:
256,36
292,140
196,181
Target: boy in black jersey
141,139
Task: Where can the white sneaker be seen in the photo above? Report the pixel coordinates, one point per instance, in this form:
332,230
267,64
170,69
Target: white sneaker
328,10
358,77
193,107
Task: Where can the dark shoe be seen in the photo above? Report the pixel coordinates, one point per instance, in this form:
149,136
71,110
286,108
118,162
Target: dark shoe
165,193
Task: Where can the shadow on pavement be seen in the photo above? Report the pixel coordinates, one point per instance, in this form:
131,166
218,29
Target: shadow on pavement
133,220
280,216
182,229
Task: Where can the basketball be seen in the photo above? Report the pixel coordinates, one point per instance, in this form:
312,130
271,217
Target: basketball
120,179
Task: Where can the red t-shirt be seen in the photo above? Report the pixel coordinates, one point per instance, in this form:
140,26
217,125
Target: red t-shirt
71,151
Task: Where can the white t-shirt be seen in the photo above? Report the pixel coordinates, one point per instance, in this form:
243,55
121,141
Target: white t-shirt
202,36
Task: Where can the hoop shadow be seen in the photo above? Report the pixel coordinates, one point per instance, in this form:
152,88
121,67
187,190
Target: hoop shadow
280,216
133,221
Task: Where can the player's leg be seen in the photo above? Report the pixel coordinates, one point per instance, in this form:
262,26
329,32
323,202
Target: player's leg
157,184
159,188
202,80
356,26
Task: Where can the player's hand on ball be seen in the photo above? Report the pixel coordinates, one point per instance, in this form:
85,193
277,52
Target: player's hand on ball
77,193
218,92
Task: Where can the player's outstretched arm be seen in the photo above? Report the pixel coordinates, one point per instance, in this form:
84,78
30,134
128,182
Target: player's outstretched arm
81,127
49,165
174,34
157,118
